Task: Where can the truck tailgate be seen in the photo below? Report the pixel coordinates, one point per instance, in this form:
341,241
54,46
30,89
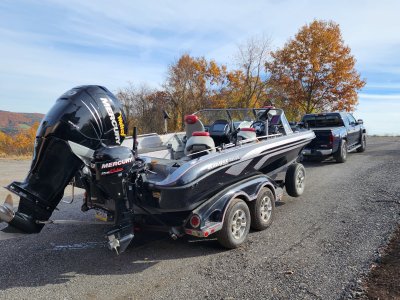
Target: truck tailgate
322,139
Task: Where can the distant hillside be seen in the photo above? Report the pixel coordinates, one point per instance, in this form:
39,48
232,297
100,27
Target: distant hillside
11,122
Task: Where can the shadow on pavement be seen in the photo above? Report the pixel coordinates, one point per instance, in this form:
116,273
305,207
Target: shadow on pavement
60,252
318,163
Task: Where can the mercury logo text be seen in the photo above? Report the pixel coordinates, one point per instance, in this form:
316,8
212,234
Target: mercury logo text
114,123
117,163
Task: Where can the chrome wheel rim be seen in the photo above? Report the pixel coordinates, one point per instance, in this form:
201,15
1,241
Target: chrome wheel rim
300,180
238,224
344,150
266,209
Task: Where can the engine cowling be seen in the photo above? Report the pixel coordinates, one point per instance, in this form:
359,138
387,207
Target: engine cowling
89,116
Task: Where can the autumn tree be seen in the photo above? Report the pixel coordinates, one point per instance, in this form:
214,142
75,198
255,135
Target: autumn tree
140,107
247,83
127,96
315,71
6,144
158,102
191,84
20,144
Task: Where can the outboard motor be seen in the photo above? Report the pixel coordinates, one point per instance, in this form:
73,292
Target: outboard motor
111,189
81,128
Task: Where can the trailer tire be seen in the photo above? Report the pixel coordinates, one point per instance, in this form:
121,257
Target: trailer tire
341,155
262,210
236,224
295,180
363,144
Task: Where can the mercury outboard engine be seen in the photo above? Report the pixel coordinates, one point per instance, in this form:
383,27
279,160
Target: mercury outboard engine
82,131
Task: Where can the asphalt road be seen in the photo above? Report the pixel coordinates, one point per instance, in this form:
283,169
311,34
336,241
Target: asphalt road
317,247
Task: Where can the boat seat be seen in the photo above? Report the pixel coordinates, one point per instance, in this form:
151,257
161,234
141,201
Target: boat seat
275,126
200,141
246,134
192,124
219,131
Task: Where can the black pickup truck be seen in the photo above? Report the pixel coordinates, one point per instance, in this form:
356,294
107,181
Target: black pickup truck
337,133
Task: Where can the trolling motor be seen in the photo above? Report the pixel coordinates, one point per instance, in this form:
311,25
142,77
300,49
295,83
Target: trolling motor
79,137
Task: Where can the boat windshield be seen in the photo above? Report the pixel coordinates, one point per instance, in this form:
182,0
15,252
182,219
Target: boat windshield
245,117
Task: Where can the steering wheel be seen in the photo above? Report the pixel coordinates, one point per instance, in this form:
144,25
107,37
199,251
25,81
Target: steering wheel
260,127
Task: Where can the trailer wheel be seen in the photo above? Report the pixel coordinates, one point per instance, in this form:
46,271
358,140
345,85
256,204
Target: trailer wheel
295,180
262,210
341,155
236,224
363,144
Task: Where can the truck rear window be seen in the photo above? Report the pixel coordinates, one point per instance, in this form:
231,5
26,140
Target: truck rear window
323,121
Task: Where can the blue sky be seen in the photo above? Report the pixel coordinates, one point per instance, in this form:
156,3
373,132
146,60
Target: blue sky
48,47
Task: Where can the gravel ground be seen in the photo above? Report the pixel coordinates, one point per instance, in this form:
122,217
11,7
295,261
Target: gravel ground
317,248
383,279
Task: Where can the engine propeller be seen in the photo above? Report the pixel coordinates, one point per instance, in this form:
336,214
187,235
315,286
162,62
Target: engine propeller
7,210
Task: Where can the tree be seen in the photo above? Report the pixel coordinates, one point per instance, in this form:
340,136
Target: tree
157,102
20,144
6,144
140,108
127,96
193,83
315,71
247,84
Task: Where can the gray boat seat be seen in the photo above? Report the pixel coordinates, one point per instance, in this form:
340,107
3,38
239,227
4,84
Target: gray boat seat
275,125
200,143
246,134
192,124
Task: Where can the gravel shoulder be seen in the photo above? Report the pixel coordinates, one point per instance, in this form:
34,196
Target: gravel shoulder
383,280
319,245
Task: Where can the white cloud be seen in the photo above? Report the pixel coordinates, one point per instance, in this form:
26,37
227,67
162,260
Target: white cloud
380,96
381,113
33,77
49,46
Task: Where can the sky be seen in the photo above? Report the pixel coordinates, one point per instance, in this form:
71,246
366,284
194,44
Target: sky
48,47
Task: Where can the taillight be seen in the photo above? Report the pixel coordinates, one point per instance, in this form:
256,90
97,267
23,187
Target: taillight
194,221
331,139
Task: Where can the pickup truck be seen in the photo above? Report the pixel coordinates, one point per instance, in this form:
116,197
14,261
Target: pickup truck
337,133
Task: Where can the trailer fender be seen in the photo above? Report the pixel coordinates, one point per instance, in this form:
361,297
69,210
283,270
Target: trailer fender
212,212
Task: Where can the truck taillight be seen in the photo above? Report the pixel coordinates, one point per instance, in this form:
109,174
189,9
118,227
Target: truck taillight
330,139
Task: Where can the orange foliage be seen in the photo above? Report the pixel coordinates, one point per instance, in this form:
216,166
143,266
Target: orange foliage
193,83
20,144
315,71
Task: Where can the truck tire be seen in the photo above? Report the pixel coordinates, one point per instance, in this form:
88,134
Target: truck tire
363,144
262,210
341,155
295,180
236,224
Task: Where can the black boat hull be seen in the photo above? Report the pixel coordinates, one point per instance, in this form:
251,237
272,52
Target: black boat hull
197,181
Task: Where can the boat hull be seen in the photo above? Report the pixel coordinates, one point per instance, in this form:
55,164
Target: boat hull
199,179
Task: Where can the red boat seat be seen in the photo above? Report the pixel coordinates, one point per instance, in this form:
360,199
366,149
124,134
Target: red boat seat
247,129
192,124
200,133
